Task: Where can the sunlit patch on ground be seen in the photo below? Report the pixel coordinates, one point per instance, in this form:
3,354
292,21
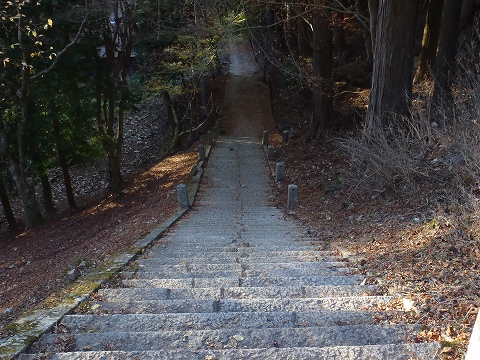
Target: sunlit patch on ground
34,264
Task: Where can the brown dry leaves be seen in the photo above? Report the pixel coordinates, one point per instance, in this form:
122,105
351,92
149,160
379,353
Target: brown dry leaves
33,264
425,253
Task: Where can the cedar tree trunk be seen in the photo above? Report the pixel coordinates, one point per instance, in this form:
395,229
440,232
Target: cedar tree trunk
47,198
431,34
173,120
323,84
393,62
363,18
303,38
7,209
18,168
118,42
447,49
373,8
63,159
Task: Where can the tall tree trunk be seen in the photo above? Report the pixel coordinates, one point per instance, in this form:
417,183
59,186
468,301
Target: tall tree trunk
363,19
271,27
323,88
339,33
393,62
115,175
468,12
67,181
117,180
431,34
7,209
4,150
114,170
173,120
203,97
373,8
47,198
289,31
33,215
303,38
198,34
118,42
18,168
46,195
447,49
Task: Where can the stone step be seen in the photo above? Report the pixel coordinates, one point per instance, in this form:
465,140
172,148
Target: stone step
253,213
238,305
348,335
259,212
254,232
407,351
257,255
265,230
237,217
216,320
190,283
145,264
234,279
265,292
203,236
194,249
269,238
152,273
238,257
234,246
247,252
263,226
240,186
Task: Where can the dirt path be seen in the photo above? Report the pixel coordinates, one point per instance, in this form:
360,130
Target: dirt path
247,109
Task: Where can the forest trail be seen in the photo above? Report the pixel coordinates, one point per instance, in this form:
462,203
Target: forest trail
234,278
246,109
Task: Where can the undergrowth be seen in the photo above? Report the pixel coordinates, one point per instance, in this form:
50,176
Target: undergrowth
434,152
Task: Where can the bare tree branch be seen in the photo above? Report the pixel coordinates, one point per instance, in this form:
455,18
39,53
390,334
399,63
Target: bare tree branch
60,53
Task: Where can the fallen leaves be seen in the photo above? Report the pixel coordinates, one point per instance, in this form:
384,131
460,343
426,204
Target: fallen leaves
426,257
48,250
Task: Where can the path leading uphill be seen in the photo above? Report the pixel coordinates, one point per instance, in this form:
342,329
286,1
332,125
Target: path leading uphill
234,279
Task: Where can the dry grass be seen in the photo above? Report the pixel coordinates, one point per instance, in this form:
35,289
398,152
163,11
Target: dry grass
406,201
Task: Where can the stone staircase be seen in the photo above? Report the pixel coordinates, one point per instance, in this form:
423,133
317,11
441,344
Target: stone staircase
234,279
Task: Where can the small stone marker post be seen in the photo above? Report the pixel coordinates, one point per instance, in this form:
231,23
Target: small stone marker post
280,171
211,138
265,139
285,135
182,195
270,152
292,195
201,152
